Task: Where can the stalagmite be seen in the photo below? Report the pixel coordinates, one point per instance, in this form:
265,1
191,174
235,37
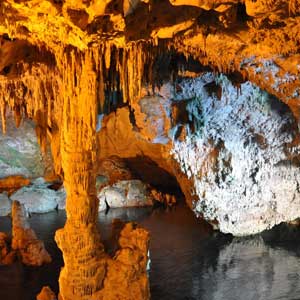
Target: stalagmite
88,272
46,294
25,241
84,257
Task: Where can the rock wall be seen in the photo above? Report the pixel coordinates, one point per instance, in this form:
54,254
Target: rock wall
20,153
241,152
234,151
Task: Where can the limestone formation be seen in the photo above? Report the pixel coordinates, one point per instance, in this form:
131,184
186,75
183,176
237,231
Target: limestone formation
46,294
12,183
5,205
241,153
20,155
126,193
37,197
24,240
90,73
126,276
6,256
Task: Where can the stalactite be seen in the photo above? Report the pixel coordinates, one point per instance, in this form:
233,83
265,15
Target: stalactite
64,101
3,112
84,257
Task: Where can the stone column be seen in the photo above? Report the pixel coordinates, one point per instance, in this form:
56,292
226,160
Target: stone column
79,240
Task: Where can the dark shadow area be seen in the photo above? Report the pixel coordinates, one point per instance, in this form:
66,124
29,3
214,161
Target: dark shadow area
284,236
145,169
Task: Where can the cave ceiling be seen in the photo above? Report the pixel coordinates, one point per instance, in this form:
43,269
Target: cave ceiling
259,40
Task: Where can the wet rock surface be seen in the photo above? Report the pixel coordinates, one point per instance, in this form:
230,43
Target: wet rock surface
46,294
7,256
126,193
208,266
5,205
38,198
24,240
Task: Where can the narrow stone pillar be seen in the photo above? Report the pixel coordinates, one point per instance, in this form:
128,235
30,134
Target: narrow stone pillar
79,240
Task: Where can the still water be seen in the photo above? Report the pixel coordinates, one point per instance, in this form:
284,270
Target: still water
188,261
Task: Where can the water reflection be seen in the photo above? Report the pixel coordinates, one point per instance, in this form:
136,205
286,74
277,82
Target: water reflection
188,261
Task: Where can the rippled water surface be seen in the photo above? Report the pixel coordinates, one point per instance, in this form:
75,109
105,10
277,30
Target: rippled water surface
188,261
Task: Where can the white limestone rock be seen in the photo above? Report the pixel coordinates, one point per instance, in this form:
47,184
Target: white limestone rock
61,198
5,205
239,159
126,193
37,198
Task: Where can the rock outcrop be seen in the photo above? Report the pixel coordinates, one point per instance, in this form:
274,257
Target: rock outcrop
237,150
12,183
126,276
24,240
126,193
37,197
241,152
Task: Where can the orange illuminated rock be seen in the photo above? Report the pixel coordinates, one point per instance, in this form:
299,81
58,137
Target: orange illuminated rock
7,257
126,276
13,183
63,63
46,294
24,240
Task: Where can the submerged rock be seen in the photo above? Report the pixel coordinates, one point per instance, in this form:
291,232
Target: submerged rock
24,239
126,276
5,205
126,193
46,294
6,256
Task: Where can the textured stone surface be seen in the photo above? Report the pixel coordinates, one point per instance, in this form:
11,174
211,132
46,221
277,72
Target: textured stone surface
24,240
7,256
126,193
5,205
38,198
63,63
11,184
20,153
126,276
46,294
241,153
